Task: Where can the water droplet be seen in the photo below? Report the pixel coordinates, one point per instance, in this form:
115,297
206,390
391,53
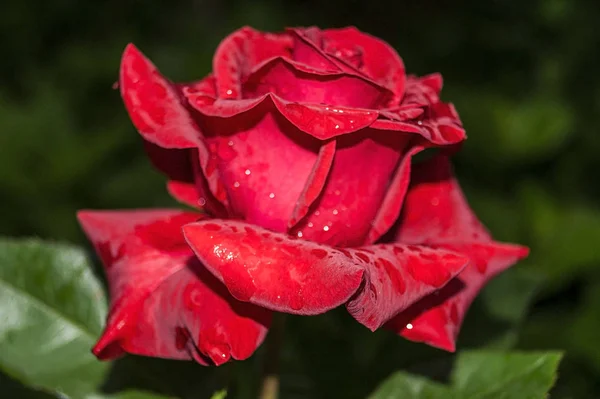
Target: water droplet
337,192
337,126
120,324
229,92
310,224
272,195
341,111
299,234
325,228
202,201
351,120
335,110
326,108
247,172
236,184
419,123
317,213
230,143
409,326
335,212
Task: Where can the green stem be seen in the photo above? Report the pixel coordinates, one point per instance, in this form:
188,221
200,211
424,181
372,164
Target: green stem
270,380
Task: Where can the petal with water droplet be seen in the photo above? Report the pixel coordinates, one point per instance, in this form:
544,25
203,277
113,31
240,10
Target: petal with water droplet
436,213
240,52
377,59
397,276
370,158
163,302
436,319
274,270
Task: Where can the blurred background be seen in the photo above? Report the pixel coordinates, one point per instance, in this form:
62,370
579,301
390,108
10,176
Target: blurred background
523,75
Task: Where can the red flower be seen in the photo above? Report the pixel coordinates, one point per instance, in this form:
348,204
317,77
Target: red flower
298,150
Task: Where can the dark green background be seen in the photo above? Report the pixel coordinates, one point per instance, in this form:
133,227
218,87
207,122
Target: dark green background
523,75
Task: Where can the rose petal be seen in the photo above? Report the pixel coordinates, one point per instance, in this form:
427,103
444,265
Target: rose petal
369,55
157,110
437,318
163,302
273,270
396,277
436,212
421,91
154,104
389,211
240,52
352,52
292,82
266,187
187,183
440,131
344,211
320,121
315,182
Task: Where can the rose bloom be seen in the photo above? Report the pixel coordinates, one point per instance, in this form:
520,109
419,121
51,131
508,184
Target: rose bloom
296,155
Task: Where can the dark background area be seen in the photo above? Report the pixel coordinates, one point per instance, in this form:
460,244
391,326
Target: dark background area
522,74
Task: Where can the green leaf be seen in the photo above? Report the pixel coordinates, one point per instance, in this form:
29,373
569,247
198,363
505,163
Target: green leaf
222,394
407,386
52,308
497,375
481,375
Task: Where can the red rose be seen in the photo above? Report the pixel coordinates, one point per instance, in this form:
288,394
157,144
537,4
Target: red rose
298,149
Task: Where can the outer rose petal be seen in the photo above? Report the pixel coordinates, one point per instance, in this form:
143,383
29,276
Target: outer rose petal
396,277
436,319
163,302
154,104
435,209
156,108
273,270
347,206
437,213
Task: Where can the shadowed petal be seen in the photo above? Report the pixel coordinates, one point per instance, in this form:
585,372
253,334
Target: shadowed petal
436,213
389,210
437,318
396,276
163,302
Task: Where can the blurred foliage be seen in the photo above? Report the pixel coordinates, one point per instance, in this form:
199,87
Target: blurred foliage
520,73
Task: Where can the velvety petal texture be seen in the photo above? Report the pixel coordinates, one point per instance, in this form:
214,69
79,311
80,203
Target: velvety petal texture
437,213
164,303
